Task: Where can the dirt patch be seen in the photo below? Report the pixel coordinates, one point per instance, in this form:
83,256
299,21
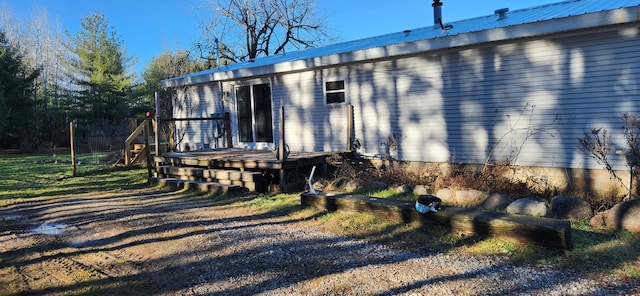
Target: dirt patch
133,242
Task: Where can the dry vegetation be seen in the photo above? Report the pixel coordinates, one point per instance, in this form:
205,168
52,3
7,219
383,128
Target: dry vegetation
491,178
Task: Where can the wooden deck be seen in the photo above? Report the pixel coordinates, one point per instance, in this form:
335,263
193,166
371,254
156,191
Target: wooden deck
241,159
280,175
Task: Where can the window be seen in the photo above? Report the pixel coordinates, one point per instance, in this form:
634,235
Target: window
335,92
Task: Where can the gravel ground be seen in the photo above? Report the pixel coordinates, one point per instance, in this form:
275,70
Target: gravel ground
154,243
274,258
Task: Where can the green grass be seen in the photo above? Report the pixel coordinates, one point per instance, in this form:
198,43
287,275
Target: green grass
388,193
282,203
50,175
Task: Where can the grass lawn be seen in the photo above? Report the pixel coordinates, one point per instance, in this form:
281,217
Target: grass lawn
50,175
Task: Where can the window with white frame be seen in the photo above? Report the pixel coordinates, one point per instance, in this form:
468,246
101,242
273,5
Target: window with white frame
335,91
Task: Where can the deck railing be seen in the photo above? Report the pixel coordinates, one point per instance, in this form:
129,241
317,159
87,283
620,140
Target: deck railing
227,126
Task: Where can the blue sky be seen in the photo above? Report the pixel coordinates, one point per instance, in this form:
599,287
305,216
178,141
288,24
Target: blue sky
149,27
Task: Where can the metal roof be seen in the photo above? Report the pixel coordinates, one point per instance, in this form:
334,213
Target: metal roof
514,18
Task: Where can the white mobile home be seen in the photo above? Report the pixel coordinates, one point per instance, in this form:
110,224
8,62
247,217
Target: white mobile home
522,85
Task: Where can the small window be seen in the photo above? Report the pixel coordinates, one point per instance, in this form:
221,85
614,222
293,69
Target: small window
335,92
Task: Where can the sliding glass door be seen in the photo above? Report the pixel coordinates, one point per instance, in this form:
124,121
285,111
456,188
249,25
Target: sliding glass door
254,113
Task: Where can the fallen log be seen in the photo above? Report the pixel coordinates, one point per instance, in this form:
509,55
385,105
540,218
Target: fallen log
536,230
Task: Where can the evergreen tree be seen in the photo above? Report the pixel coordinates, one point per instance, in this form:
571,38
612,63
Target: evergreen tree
16,97
100,88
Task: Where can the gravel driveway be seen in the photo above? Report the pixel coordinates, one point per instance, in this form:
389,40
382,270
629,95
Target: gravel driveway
153,243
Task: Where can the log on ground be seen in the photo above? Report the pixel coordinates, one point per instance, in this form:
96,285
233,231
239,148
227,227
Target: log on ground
535,230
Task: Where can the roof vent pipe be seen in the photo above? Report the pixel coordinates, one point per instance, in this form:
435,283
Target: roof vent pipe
437,13
502,13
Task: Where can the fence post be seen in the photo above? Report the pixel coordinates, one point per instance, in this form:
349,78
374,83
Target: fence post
73,149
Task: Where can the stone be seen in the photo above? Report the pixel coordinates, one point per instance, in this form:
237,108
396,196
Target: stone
421,190
570,207
496,202
403,189
529,206
597,221
625,215
470,198
352,185
447,196
375,185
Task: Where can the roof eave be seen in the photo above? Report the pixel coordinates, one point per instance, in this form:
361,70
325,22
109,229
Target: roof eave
584,21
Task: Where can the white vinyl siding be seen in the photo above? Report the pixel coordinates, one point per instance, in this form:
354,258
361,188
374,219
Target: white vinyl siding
310,124
528,99
200,100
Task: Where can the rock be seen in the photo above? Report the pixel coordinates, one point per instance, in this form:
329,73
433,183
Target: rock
625,215
570,207
529,206
421,190
470,197
352,185
447,196
597,221
462,198
496,202
375,185
402,189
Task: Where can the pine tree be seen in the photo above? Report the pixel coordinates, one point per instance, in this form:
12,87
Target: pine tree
101,87
16,96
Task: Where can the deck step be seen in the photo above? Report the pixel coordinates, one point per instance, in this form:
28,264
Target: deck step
253,181
174,171
212,187
216,174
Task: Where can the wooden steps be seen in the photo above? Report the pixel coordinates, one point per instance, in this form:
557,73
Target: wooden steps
252,181
540,231
211,187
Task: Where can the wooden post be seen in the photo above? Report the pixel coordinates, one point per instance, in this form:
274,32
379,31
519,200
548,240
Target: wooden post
73,149
349,128
157,124
133,123
147,133
281,147
227,129
281,144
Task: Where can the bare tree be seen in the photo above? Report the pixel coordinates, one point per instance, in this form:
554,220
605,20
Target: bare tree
39,41
597,143
241,30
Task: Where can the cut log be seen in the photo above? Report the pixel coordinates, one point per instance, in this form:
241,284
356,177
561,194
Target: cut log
535,230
